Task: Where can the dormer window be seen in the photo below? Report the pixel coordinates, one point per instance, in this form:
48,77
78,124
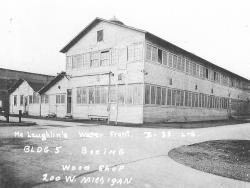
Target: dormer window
99,35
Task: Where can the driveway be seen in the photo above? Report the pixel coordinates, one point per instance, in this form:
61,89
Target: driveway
133,157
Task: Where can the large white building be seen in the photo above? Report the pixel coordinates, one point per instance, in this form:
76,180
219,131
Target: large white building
130,75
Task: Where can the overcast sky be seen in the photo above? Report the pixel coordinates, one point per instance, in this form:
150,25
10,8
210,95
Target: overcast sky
33,31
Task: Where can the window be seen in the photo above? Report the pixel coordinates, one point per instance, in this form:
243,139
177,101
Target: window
182,98
97,95
129,94
169,97
112,94
86,60
178,97
121,94
138,52
154,54
215,76
133,94
206,71
153,97
173,97
187,66
68,62
147,94
94,59
45,99
170,60
77,61
163,96
183,64
104,95
35,98
99,35
30,99
15,100
175,61
186,98
104,58
148,52
158,95
21,100
193,65
60,99
179,63
91,95
160,56
137,94
164,58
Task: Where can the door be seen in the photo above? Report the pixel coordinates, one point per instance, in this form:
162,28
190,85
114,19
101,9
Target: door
69,101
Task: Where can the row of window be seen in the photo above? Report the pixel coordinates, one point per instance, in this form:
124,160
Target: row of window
184,64
104,58
31,99
157,95
127,94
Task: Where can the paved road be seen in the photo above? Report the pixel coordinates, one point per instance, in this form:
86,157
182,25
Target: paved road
137,153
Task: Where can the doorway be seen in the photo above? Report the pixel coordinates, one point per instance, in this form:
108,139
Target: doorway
69,101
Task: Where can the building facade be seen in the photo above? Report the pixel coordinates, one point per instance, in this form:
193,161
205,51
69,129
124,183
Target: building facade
8,78
129,75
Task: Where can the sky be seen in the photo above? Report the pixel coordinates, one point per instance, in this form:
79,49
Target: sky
34,31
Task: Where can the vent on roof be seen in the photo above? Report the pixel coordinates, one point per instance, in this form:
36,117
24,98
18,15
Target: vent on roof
115,20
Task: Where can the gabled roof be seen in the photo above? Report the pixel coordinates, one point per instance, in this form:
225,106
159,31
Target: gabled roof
34,85
59,77
89,27
151,37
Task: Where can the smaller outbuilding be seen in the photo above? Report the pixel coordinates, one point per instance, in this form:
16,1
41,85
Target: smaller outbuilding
55,97
24,96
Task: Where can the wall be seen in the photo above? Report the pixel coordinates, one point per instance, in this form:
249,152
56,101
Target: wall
159,74
25,90
59,109
116,39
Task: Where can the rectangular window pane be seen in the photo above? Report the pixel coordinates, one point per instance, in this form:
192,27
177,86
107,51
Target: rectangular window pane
169,96
97,95
153,91
121,94
160,56
148,52
129,94
137,99
186,98
154,54
94,59
91,95
164,57
112,94
170,60
105,56
158,96
147,94
173,97
175,61
104,95
163,96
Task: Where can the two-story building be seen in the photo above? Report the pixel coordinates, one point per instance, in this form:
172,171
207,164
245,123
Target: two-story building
130,75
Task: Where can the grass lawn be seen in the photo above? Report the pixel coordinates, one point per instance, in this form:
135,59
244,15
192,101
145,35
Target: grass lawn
227,158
